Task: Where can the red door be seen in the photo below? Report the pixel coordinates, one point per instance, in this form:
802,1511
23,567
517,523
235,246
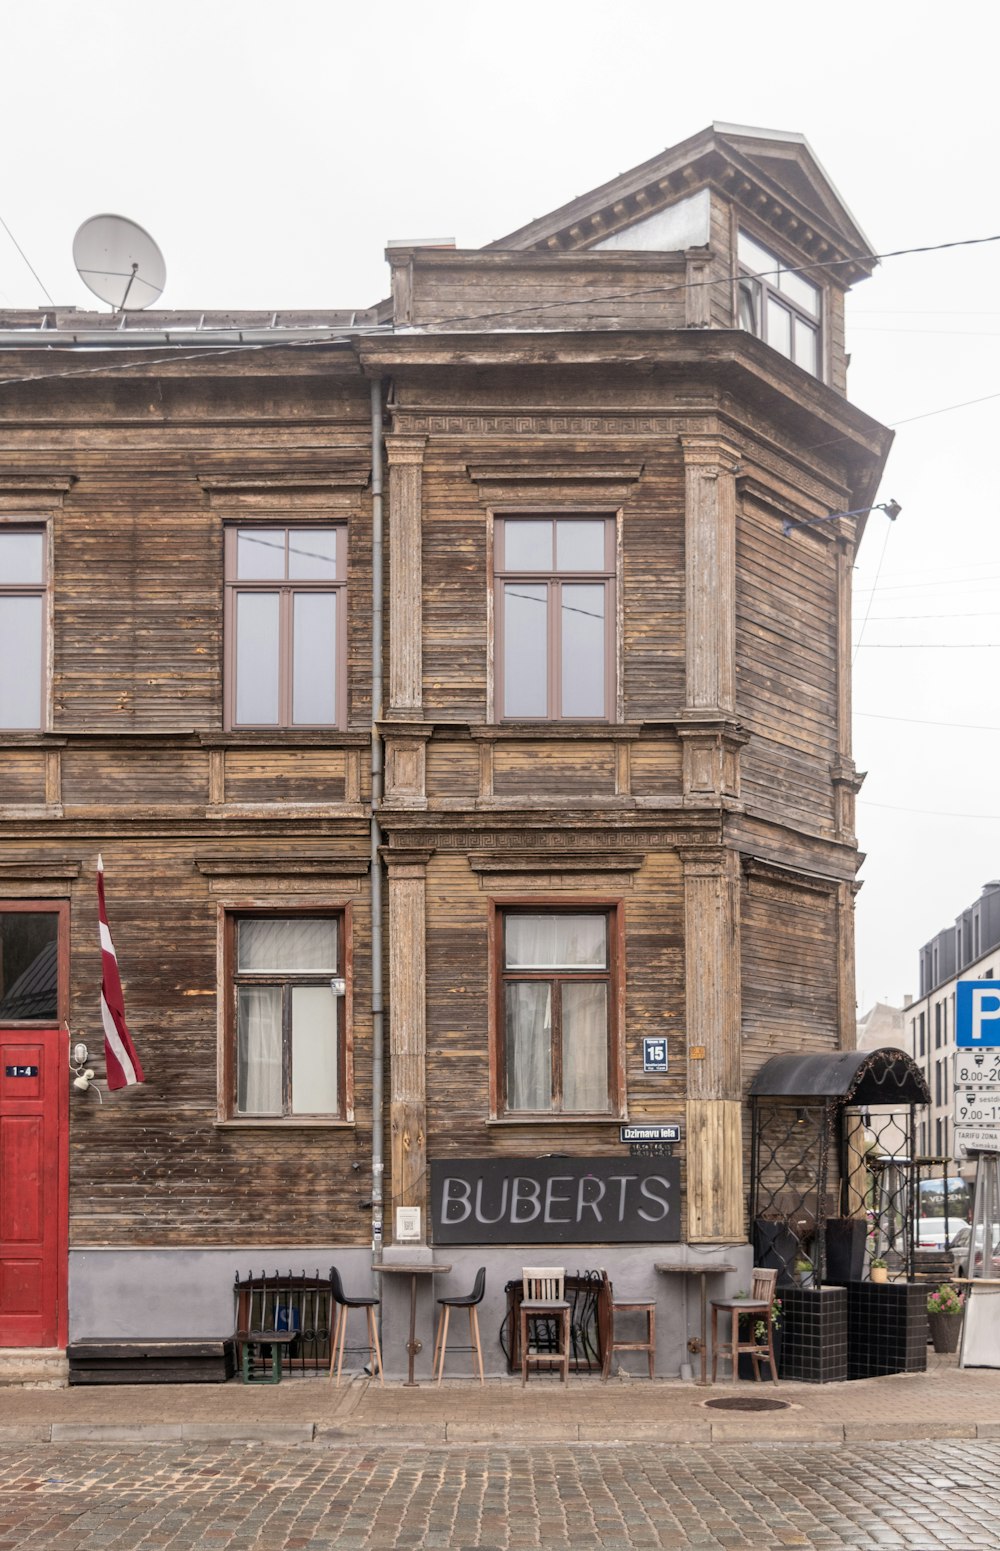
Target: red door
34,1105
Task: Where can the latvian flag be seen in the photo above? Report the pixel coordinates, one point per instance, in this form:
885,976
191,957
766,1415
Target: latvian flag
124,1067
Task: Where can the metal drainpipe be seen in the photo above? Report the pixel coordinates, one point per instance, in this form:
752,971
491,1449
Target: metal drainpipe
378,1033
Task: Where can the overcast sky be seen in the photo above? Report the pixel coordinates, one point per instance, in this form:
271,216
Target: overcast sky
271,149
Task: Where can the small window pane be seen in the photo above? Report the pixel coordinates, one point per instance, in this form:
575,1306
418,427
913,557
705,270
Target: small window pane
806,346
29,941
312,554
556,942
583,651
22,559
756,258
580,546
260,554
748,304
306,946
314,662
585,1046
21,662
258,1041
257,637
801,291
525,653
314,1051
779,327
528,1020
527,546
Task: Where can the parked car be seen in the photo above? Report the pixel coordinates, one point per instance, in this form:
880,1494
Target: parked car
960,1246
938,1232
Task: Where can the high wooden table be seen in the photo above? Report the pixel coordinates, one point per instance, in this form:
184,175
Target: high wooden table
412,1269
702,1269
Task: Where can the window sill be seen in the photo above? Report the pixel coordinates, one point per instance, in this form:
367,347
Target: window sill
283,1123
544,1118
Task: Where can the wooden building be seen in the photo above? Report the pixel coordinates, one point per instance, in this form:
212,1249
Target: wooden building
614,856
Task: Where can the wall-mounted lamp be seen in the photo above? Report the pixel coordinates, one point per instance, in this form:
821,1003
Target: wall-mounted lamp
892,510
83,1075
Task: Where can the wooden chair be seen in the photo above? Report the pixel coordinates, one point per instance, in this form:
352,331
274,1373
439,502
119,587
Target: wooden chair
343,1305
542,1299
470,1302
611,1344
758,1307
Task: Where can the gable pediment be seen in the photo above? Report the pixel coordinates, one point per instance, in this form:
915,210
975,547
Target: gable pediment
772,174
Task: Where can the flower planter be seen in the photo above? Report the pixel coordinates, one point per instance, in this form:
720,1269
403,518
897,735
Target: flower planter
945,1330
879,1274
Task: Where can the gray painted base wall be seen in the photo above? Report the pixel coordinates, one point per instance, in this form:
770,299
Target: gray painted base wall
145,1294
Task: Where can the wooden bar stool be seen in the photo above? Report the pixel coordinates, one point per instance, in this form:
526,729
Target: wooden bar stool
542,1299
611,1342
343,1305
469,1302
758,1307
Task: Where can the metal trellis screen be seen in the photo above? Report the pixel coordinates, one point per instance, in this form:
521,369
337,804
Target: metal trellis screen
833,1173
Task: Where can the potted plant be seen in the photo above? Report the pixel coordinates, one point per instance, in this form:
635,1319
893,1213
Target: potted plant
944,1317
879,1270
804,1271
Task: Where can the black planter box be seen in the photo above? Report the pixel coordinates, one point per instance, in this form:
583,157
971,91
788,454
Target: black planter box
813,1334
886,1328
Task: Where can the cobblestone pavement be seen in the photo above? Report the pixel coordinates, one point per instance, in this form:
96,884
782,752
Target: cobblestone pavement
254,1498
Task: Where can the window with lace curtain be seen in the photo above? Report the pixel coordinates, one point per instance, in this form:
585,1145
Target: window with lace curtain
555,1036
287,1016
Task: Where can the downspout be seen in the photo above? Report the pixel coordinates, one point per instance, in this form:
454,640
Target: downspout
378,1031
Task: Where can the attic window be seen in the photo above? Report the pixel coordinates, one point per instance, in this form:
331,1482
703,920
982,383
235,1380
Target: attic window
779,305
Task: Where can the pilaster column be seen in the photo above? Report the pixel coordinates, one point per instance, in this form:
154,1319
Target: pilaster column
406,459
710,466
408,1032
713,1001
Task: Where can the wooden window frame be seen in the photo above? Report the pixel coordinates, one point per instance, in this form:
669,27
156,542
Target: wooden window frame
230,915
42,590
613,911
285,588
60,909
768,290
609,577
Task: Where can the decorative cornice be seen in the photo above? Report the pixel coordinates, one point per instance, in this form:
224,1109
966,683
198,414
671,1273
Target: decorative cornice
565,860
536,470
221,866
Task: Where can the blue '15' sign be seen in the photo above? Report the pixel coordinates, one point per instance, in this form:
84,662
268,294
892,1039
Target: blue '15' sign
977,1014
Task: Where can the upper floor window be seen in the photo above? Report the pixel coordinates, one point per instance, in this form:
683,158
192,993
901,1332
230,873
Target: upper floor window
779,305
23,598
288,1036
555,613
286,626
556,1033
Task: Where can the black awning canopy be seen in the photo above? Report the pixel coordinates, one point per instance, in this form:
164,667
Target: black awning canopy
868,1077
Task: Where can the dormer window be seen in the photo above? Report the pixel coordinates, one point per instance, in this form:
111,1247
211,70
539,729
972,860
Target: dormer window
779,305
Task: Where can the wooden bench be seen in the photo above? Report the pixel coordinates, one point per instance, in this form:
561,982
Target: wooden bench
152,1362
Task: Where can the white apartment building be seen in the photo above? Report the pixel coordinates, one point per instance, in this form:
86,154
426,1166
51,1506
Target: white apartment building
969,950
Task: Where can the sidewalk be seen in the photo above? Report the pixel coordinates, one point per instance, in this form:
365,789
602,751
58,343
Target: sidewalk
944,1402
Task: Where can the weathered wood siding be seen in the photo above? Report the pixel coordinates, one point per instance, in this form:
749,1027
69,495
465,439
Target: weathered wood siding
786,663
789,959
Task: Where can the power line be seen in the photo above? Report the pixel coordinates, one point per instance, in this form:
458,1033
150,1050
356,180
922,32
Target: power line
937,813
31,266
919,646
918,721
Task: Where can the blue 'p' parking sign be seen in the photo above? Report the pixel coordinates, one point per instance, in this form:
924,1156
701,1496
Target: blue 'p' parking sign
977,1014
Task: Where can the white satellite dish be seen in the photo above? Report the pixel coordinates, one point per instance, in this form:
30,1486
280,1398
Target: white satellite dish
119,262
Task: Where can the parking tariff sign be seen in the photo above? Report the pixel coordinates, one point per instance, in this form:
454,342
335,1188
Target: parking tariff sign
977,1014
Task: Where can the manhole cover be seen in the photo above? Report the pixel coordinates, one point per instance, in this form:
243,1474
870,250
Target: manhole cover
748,1403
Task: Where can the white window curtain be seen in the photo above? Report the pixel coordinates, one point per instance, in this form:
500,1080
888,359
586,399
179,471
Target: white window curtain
258,1081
